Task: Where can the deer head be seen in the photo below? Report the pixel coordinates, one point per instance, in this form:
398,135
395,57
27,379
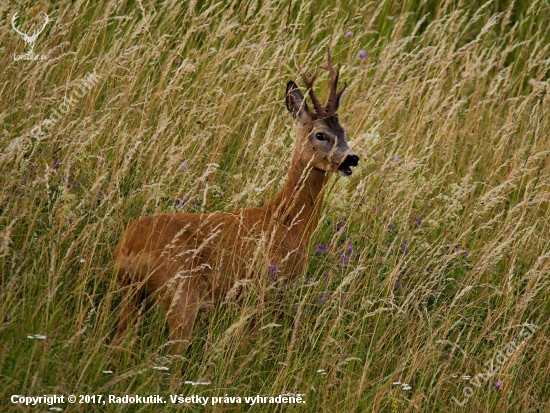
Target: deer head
30,40
321,140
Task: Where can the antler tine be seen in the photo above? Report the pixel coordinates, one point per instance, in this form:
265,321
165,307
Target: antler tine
13,19
46,21
309,84
334,97
38,31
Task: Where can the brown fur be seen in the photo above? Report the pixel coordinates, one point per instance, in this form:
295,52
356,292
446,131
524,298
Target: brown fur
184,260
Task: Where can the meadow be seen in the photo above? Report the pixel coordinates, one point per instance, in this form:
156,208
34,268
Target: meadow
428,282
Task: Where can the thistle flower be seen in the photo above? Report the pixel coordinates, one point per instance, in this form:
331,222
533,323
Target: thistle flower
498,384
349,33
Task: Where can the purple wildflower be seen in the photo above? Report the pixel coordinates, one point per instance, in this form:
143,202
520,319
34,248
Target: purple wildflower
349,33
56,163
326,274
345,297
350,249
321,298
417,222
396,286
183,166
389,227
498,384
180,203
465,253
100,195
272,270
362,54
341,226
345,259
262,203
396,158
404,246
457,247
321,248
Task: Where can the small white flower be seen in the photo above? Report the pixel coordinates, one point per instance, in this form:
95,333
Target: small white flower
396,383
162,368
107,372
322,371
82,260
454,376
466,377
407,387
38,336
198,383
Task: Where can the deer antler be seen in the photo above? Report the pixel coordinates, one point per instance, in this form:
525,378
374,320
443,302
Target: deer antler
334,97
13,19
25,36
46,21
309,84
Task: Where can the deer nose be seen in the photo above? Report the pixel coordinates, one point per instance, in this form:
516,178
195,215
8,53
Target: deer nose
352,160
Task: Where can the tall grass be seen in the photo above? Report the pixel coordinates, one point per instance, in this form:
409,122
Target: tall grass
445,223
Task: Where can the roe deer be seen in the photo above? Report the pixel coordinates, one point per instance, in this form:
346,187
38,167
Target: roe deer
183,260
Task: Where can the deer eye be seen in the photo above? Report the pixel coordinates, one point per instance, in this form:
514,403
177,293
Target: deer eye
321,136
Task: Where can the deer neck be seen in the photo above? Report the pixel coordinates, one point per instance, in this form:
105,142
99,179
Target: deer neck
298,206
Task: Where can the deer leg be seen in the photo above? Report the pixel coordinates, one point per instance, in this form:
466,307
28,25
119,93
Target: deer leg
181,316
128,309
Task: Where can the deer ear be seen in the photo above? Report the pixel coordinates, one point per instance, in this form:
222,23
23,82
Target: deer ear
295,102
